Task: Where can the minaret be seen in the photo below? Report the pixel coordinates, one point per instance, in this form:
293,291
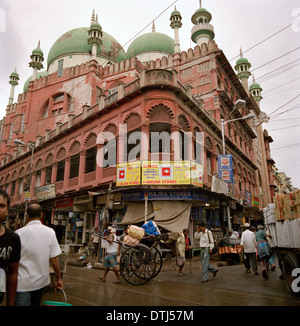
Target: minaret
255,91
37,58
176,24
242,67
13,81
95,34
203,31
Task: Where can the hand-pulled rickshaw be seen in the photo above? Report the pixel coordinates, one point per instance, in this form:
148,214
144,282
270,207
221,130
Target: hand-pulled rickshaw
142,261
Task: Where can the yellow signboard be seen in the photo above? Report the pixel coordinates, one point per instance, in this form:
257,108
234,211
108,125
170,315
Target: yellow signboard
196,174
129,174
166,173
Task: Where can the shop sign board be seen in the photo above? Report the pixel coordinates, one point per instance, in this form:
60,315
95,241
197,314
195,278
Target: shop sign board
196,174
248,198
128,174
165,195
45,192
166,173
255,201
64,202
219,185
225,170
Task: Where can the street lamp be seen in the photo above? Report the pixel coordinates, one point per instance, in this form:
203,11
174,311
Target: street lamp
223,123
239,104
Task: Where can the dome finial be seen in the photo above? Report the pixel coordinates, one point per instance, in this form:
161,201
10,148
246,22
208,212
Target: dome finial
200,3
93,16
153,27
241,52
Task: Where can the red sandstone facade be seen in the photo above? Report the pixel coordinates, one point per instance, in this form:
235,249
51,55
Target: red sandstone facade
186,92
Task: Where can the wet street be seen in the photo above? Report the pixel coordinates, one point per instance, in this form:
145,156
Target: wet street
231,287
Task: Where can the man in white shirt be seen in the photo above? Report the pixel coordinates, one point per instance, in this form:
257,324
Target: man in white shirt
38,245
206,245
249,244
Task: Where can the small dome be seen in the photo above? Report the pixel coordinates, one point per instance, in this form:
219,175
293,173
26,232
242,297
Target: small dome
38,51
40,74
242,60
201,12
14,74
95,25
151,42
175,13
254,86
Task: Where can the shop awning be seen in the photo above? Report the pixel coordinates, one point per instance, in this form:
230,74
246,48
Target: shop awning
170,215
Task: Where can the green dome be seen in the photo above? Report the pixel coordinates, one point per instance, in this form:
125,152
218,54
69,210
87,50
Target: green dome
242,60
14,74
254,86
201,12
175,13
149,42
76,41
40,74
38,51
95,25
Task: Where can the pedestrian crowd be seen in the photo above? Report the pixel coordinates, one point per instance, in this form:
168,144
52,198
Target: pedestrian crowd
25,254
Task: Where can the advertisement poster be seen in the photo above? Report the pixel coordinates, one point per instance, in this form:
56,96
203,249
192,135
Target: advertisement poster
225,170
159,173
196,174
248,198
128,174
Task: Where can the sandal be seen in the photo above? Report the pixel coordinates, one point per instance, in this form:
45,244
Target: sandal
117,282
102,280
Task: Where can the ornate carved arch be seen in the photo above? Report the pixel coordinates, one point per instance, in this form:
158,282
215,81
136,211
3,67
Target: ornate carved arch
49,159
61,154
133,120
90,140
160,113
75,147
111,127
184,123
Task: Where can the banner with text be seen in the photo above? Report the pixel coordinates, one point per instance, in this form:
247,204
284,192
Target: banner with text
173,172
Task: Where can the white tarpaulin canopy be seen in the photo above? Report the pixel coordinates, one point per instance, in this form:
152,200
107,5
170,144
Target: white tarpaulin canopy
170,215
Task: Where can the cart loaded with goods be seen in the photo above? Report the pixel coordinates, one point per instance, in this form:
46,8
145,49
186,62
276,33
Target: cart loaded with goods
282,219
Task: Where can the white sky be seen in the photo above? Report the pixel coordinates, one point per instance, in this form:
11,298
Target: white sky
237,23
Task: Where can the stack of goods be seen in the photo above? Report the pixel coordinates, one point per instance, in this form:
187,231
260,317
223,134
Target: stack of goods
283,220
135,234
287,206
151,228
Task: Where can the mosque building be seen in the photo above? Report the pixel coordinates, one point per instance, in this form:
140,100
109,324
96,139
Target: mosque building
67,141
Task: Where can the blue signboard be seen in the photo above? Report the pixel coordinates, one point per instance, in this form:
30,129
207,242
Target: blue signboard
164,195
225,170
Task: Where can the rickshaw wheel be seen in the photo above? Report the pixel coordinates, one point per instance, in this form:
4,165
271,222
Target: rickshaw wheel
138,265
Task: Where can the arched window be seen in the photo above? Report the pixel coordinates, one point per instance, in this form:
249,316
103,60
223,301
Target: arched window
57,104
60,175
160,118
133,151
90,153
74,159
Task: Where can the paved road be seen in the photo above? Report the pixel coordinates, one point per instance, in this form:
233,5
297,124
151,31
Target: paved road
231,287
